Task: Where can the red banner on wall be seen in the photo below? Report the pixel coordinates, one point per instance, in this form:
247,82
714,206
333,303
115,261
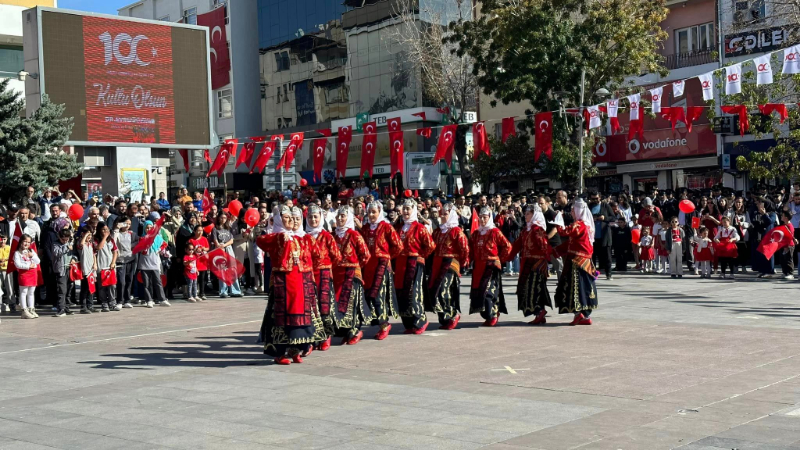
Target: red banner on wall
220,58
658,144
129,92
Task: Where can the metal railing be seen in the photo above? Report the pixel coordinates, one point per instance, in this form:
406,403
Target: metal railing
688,59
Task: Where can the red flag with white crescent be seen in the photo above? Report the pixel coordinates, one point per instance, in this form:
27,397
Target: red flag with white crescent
220,58
368,148
396,144
693,113
207,203
185,156
319,146
147,241
446,144
206,156
480,142
266,153
424,132
224,154
475,223
248,150
775,240
295,142
508,128
544,135
225,266
343,140
421,115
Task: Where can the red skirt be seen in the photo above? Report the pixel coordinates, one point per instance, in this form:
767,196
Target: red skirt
647,254
703,254
725,249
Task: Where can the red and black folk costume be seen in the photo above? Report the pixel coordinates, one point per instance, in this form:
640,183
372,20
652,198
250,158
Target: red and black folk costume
328,255
451,254
288,326
576,292
409,271
534,250
488,250
309,244
384,245
352,310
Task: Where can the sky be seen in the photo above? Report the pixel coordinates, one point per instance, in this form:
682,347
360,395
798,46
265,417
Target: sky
98,6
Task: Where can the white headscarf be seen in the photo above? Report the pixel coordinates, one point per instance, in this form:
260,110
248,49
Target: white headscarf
489,225
537,219
381,216
452,218
349,223
414,216
297,214
581,212
314,231
277,220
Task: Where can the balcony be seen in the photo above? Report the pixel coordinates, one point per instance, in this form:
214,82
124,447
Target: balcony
694,58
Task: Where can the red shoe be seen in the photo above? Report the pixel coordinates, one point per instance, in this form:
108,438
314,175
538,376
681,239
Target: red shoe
383,333
491,322
325,345
585,321
578,318
354,340
454,322
283,360
421,330
297,359
308,352
540,318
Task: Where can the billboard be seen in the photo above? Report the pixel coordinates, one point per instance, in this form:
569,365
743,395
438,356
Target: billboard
125,81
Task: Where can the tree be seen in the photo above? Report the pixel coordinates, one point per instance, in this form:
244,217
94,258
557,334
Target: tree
535,51
423,34
30,148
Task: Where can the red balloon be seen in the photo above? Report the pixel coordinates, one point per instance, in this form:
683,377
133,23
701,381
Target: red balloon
75,212
686,206
234,207
407,192
303,182
251,217
208,229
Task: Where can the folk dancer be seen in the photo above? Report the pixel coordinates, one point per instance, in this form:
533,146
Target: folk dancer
309,244
351,310
409,267
576,292
327,257
534,250
451,254
488,250
384,245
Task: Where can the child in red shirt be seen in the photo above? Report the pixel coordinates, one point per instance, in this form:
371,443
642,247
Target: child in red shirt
190,272
201,247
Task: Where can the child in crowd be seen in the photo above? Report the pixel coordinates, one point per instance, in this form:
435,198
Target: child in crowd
88,272
725,246
9,297
125,240
201,246
26,261
190,272
636,235
674,241
660,244
702,253
646,253
63,251
106,256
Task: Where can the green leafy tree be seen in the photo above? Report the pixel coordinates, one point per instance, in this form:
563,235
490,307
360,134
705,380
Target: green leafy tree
535,51
30,148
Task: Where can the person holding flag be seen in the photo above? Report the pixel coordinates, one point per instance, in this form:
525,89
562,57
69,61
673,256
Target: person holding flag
489,249
576,292
451,254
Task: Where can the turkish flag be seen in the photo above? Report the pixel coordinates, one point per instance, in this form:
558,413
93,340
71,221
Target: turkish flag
421,115
480,142
248,150
207,203
508,128
475,224
108,277
693,113
369,145
295,142
224,154
91,280
775,240
424,132
769,108
544,135
225,266
343,140
397,146
674,114
185,156
147,241
446,144
319,146
741,110
206,156
220,58
266,153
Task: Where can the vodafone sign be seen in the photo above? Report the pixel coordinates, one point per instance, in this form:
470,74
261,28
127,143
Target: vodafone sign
657,144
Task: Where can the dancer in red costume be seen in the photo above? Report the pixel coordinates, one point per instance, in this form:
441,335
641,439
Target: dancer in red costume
309,251
327,257
384,245
409,267
488,249
534,250
451,254
352,310
576,292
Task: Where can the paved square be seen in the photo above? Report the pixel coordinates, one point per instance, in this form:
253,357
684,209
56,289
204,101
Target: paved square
691,364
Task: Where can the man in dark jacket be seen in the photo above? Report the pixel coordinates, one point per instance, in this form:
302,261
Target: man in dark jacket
603,215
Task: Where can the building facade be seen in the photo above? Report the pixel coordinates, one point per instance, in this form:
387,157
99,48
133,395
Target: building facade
11,57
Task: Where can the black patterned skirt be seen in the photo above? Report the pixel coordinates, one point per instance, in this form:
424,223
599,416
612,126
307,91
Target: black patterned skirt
486,295
576,291
351,310
326,301
532,293
411,297
291,319
444,289
381,296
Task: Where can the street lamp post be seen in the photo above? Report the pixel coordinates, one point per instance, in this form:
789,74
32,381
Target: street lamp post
601,93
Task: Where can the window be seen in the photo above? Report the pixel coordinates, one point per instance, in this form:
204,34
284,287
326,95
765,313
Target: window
164,19
277,94
11,60
749,11
336,93
224,104
190,16
285,92
281,61
694,39
284,122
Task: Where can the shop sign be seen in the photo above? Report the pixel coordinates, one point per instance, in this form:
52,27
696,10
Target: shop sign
657,144
759,41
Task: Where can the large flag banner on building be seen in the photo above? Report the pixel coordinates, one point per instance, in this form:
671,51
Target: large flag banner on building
220,58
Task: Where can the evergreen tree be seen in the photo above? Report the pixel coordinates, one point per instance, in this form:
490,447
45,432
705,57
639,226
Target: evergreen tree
30,148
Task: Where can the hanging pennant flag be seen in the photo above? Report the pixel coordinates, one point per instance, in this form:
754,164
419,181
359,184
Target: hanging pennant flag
421,115
763,69
707,83
692,113
508,128
655,96
446,144
770,108
594,116
343,140
224,154
319,146
474,222
248,150
634,102
397,146
207,203
612,106
480,143
733,79
369,145
791,60
445,110
266,153
185,156
544,135
424,132
637,126
295,142
678,87
741,110
206,156
674,114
